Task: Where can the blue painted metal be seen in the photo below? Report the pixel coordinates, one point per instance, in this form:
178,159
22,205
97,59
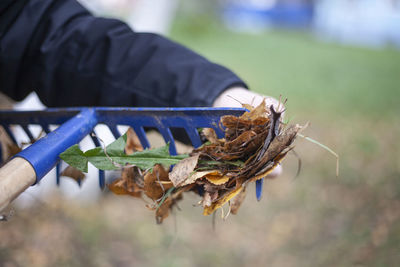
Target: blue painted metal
76,123
58,173
259,188
43,154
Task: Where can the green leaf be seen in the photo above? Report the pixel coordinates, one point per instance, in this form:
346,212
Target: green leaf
116,157
117,146
75,157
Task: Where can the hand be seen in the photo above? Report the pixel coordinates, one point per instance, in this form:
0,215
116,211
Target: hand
236,96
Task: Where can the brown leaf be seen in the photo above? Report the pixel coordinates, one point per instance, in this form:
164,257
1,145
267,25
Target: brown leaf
200,174
163,211
73,173
132,142
181,173
156,183
240,141
119,187
259,111
268,168
278,144
219,203
130,183
237,201
133,178
211,135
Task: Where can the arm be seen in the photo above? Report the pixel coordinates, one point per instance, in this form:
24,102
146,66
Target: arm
71,58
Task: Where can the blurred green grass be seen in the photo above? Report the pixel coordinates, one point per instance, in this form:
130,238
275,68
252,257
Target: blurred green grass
313,75
349,94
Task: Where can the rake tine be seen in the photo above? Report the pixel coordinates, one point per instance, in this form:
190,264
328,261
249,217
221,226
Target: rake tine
194,136
167,135
28,133
45,128
114,130
259,188
58,172
102,179
140,132
9,133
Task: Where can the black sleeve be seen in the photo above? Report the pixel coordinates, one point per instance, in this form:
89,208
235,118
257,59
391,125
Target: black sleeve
71,58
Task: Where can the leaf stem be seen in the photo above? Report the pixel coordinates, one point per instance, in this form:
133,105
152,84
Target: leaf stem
324,147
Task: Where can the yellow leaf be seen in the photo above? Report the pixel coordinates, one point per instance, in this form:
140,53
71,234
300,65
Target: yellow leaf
209,210
278,159
217,179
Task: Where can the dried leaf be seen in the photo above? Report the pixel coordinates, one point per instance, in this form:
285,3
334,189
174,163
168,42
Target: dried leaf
259,111
211,135
132,142
133,175
237,201
269,167
278,144
119,187
134,180
241,141
73,173
206,199
181,173
217,179
219,203
200,174
163,211
156,183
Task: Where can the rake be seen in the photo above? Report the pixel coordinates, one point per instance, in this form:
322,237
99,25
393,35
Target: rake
29,166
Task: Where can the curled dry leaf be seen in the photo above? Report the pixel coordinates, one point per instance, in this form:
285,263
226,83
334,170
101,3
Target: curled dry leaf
120,187
207,199
259,111
211,135
132,142
217,179
219,203
73,173
182,173
156,183
237,201
130,183
162,212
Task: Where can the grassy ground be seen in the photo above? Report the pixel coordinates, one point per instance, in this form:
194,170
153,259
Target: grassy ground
350,95
329,78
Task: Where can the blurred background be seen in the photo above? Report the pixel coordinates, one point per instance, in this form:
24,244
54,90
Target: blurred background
338,63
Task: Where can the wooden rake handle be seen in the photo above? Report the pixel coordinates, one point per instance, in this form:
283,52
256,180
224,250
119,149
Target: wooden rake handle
33,163
15,177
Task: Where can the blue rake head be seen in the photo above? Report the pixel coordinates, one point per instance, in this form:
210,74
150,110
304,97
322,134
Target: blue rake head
76,123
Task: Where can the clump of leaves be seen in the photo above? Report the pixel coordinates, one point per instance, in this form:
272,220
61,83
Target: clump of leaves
219,171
